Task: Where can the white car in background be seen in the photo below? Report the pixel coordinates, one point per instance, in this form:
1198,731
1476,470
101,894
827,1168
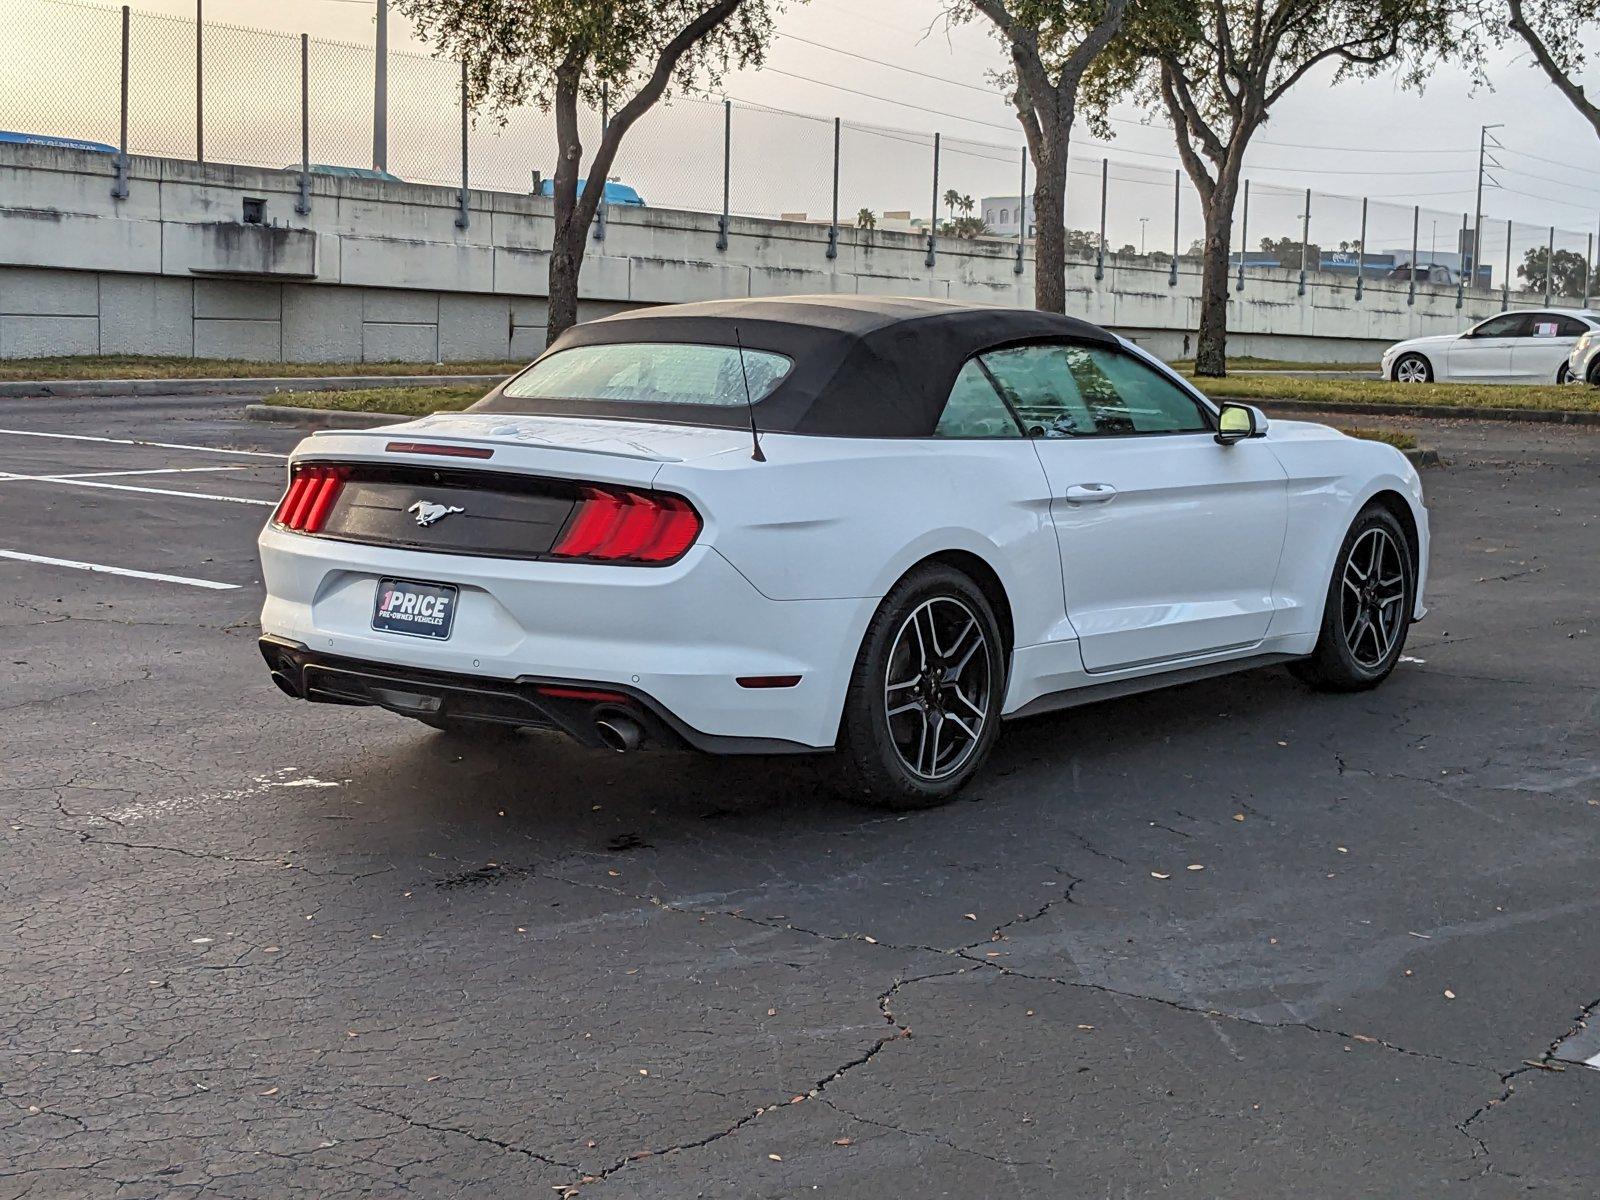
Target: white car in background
866,525
1513,347
1583,364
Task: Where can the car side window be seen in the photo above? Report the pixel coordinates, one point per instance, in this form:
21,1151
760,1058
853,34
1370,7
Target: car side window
974,409
1505,325
1083,391
1569,327
1041,388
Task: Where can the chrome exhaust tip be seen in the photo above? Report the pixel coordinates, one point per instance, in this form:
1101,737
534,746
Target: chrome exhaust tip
619,732
284,685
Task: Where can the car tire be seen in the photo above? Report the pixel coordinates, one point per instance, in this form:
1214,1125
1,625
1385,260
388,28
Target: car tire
1412,367
1367,611
919,718
1593,377
1562,374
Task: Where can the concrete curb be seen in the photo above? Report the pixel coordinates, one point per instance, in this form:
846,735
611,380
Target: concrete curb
1559,416
1423,456
29,389
320,418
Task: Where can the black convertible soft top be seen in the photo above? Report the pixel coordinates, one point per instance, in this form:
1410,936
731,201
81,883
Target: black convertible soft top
864,366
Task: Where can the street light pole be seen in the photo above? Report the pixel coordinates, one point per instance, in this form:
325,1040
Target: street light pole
1143,221
380,91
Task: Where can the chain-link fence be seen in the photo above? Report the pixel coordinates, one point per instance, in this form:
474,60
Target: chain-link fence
221,93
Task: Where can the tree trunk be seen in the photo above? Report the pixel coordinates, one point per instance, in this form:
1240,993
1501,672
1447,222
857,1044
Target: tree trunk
565,260
1211,348
1050,232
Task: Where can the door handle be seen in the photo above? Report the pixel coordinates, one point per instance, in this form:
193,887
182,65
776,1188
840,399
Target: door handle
1090,493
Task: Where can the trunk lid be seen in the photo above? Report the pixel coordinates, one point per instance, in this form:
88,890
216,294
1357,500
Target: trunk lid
489,484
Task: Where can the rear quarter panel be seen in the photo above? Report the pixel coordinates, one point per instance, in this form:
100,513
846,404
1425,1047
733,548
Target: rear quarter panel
832,518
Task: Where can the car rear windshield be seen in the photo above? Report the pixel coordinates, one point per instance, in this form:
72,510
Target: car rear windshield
647,373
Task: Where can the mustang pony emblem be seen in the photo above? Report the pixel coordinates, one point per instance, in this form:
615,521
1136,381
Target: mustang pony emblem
427,512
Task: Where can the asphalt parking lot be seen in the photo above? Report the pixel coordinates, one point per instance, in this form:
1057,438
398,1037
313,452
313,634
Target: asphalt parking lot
1233,939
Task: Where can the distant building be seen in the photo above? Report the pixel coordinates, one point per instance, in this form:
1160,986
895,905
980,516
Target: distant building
1005,216
902,221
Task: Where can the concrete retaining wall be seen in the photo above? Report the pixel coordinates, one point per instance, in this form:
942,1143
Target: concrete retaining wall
382,271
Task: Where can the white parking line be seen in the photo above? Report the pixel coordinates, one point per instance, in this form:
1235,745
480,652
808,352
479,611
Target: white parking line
89,437
9,477
102,569
142,471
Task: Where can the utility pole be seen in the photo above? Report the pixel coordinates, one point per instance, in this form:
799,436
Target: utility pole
380,91
1143,221
1468,273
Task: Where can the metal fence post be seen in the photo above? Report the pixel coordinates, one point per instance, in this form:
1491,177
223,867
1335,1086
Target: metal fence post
1100,243
833,225
605,124
199,82
1177,193
303,204
1588,258
1461,276
933,208
1550,265
1244,237
1022,214
464,218
1305,243
119,189
1505,280
1416,220
380,90
1361,252
727,165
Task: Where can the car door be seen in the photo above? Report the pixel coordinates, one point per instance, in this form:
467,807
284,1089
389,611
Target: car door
1543,344
1483,353
1169,541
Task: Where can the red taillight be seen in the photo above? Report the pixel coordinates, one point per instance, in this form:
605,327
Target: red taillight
628,527
312,491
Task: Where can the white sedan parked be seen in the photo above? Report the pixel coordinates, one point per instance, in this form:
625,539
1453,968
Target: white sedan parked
865,525
1513,347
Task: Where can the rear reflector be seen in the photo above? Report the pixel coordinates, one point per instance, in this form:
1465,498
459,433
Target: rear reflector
767,681
592,695
311,495
628,527
439,448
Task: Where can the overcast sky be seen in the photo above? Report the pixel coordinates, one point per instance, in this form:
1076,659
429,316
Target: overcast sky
1362,138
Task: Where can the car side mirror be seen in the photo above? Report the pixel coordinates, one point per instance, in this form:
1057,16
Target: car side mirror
1235,422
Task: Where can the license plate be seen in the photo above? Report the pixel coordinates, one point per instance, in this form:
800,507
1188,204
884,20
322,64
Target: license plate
418,609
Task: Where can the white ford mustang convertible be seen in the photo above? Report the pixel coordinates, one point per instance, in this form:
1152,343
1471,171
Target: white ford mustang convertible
877,527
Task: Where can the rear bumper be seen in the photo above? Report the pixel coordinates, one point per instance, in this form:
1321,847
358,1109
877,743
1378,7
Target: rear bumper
516,703
677,637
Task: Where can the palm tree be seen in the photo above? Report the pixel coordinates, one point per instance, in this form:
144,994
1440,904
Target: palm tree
952,201
866,219
966,204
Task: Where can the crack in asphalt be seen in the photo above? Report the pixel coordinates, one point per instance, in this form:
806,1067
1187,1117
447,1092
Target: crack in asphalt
483,1138
1545,1062
899,1032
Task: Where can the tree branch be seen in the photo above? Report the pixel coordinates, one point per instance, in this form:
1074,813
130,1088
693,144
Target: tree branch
1568,87
642,101
1184,124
